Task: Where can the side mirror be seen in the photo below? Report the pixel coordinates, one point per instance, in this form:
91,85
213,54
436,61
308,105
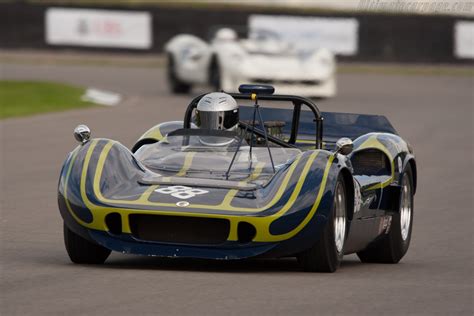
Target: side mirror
82,133
344,146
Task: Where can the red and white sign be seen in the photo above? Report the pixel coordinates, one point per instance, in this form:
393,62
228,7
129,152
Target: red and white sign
98,28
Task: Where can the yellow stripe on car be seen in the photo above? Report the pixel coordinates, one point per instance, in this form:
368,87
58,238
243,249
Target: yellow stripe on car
262,224
98,193
373,142
187,163
68,173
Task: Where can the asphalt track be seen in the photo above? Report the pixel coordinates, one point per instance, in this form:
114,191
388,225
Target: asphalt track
434,113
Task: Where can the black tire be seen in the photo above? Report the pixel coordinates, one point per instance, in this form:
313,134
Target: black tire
215,75
391,247
176,85
325,255
83,251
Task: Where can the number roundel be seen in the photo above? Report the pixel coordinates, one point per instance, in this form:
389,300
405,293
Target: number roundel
181,192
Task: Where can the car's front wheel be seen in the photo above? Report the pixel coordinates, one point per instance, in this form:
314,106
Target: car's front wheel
83,251
326,255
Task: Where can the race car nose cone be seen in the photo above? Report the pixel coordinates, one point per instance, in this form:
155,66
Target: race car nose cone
82,133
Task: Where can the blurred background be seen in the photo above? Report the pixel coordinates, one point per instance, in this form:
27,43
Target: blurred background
343,37
110,65
384,31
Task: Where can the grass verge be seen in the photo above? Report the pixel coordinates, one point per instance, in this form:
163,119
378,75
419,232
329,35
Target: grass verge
23,98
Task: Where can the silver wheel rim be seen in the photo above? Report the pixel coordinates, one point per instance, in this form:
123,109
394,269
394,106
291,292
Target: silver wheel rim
339,218
405,208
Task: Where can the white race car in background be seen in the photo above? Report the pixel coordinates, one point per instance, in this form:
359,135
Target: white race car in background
262,58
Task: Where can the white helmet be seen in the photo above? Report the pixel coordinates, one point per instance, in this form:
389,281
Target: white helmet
226,34
217,111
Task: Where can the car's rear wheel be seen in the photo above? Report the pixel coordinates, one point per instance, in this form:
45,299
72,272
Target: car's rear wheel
392,247
176,85
326,255
83,251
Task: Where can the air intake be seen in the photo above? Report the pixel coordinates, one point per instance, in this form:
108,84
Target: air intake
114,223
179,229
246,232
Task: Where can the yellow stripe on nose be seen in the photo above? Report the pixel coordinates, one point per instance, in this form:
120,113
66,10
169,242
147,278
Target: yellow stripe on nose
187,163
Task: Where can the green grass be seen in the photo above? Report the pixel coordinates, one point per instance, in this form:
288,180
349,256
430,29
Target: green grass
22,98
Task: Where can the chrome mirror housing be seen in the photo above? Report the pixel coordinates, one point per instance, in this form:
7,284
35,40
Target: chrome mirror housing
82,133
344,146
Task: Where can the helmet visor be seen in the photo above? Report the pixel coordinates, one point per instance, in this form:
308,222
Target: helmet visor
219,120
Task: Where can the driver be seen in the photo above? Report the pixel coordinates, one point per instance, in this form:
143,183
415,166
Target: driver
217,111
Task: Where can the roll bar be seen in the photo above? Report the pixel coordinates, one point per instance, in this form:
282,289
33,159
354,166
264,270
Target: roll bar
297,103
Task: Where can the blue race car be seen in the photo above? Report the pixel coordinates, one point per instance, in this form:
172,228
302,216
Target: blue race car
281,186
